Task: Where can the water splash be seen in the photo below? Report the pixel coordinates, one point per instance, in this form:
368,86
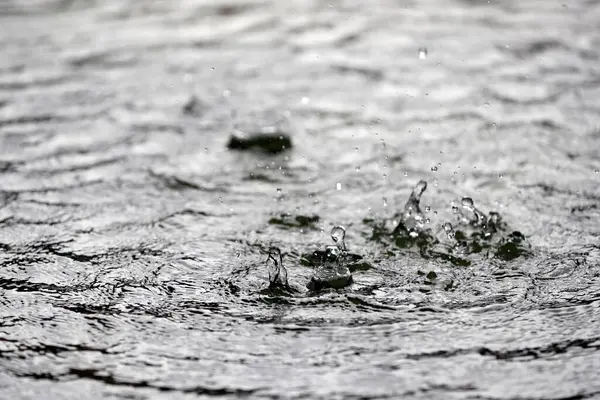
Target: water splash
333,264
474,233
278,276
413,218
338,235
449,229
476,218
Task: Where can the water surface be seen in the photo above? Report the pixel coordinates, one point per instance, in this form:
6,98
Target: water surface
132,261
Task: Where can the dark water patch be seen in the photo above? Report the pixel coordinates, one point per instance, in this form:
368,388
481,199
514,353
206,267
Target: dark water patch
29,119
583,208
194,107
157,127
77,167
536,48
517,355
529,101
176,183
370,73
104,60
299,221
258,177
110,380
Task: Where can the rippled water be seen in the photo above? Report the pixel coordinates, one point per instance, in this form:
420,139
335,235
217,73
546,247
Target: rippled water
132,242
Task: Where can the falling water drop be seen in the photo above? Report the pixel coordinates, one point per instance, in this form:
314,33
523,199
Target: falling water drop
434,168
385,203
427,208
338,186
338,234
422,53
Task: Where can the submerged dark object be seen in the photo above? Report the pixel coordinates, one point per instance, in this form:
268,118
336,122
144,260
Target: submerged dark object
270,142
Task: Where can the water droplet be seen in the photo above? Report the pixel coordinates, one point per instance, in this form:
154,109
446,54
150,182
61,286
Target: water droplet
338,234
435,213
427,208
500,175
357,168
597,171
427,221
338,186
455,209
420,188
279,190
384,176
405,173
385,203
449,230
305,100
434,168
467,202
422,53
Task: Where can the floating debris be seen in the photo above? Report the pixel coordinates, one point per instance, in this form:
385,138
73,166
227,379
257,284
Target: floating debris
267,141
